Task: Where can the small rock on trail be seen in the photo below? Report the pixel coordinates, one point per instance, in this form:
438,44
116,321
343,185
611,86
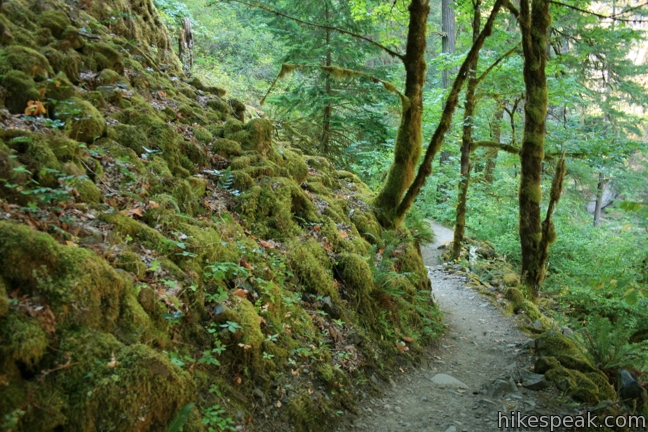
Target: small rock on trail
469,377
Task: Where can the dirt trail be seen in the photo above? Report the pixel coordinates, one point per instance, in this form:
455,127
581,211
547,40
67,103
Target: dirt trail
479,347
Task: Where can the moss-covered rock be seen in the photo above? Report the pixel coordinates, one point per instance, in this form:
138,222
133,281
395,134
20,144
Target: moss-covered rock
312,266
110,77
356,273
259,136
87,190
226,148
21,88
84,121
4,299
25,60
100,55
55,21
22,338
515,297
60,88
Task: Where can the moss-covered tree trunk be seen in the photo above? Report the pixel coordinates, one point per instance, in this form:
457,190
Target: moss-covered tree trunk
496,136
407,148
466,140
446,117
534,23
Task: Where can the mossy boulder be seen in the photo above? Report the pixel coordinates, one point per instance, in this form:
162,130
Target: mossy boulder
226,148
21,88
110,77
22,338
84,121
60,88
25,60
511,280
311,265
259,136
101,55
515,297
356,273
369,228
87,190
55,21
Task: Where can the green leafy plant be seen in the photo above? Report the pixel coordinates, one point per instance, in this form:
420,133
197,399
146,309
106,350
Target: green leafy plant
609,348
216,421
231,326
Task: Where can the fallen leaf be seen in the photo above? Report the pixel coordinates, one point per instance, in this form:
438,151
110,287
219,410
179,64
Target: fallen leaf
35,108
246,264
408,339
70,243
244,346
265,244
152,205
241,293
278,404
343,234
294,372
137,211
317,228
237,381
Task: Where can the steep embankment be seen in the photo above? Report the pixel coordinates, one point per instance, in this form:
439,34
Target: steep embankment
161,257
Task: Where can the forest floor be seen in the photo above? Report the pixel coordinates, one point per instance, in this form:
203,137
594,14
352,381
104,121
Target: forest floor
469,375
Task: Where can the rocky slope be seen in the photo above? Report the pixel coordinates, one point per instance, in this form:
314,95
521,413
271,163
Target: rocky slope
165,260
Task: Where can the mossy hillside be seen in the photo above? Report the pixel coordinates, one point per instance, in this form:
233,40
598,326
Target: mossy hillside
180,257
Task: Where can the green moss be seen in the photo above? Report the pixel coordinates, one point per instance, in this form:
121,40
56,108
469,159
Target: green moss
259,136
311,265
22,338
326,372
369,228
64,60
137,230
232,126
72,36
203,135
143,388
100,55
531,310
251,323
565,350
21,88
84,121
295,165
25,60
226,148
131,262
307,414
356,273
60,88
269,207
515,297
110,77
4,299
87,190
55,21
219,105
544,364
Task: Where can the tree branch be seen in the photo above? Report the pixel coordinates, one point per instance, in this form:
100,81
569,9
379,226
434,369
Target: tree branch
512,9
516,150
425,169
325,27
491,67
598,15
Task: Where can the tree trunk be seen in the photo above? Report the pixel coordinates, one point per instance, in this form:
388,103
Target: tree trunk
534,24
328,109
599,199
449,38
496,136
466,141
448,46
408,145
425,169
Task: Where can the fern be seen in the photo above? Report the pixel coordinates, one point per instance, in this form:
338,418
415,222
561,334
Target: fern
180,419
608,345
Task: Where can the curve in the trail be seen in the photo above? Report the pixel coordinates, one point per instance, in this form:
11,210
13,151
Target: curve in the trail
465,380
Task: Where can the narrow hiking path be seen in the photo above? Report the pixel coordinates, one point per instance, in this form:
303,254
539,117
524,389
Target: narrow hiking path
469,376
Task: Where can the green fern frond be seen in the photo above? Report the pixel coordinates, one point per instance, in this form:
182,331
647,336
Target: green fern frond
180,419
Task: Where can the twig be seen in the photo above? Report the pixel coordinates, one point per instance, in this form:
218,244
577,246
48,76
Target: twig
598,15
325,27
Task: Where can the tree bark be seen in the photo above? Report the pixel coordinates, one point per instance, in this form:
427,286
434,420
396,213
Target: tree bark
408,145
449,38
534,23
496,135
466,140
599,199
328,109
425,169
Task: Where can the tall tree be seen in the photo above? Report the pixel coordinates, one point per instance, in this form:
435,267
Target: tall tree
467,139
534,20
